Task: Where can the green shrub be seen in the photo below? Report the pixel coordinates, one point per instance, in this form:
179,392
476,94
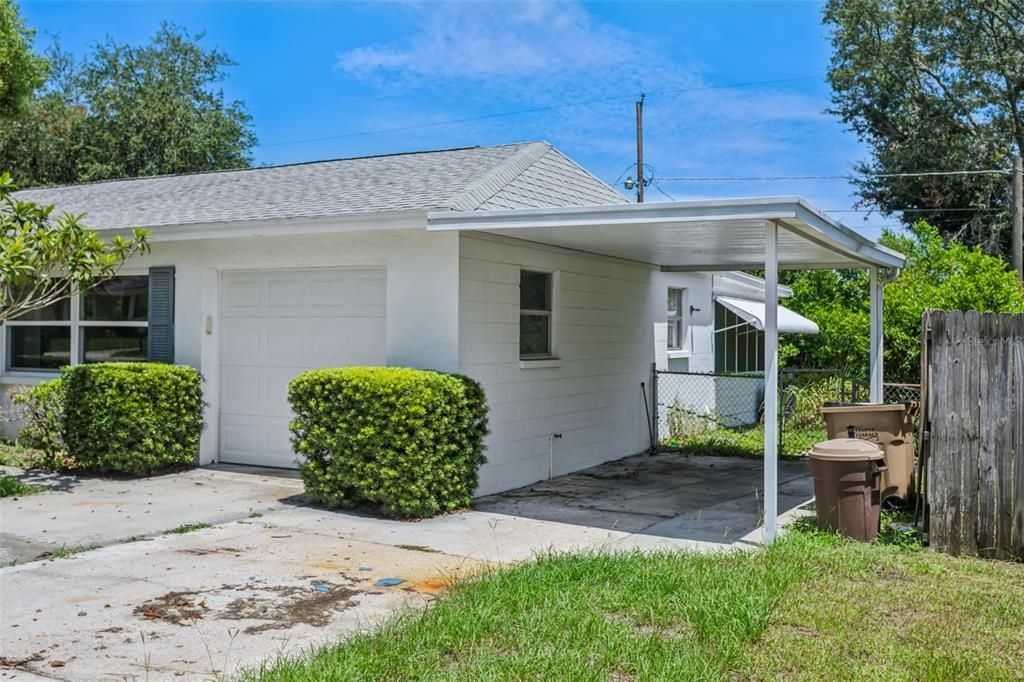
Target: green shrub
132,417
42,408
406,442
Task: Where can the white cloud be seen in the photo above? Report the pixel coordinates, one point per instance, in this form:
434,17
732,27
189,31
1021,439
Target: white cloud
487,41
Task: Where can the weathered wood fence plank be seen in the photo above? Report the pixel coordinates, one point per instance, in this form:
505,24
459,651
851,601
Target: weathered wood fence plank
975,408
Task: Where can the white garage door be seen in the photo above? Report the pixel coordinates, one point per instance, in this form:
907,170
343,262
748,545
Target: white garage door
275,325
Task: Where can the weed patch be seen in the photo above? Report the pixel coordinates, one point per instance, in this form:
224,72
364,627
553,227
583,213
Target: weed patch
188,528
11,486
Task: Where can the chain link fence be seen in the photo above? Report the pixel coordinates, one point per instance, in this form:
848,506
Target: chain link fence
724,413
902,393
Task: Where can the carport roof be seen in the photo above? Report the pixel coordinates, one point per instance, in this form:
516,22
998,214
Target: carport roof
720,234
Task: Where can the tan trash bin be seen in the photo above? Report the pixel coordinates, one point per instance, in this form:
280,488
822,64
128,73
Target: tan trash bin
846,475
891,426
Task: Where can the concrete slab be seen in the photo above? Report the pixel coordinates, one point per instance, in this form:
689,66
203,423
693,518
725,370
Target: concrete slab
203,604
96,512
666,495
206,603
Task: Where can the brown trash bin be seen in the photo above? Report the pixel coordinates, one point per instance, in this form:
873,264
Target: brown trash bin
889,425
846,475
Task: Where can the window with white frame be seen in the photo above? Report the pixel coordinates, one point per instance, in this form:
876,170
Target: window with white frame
535,319
109,323
678,318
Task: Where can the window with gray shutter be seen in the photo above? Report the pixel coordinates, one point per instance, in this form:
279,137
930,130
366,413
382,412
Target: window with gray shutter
161,314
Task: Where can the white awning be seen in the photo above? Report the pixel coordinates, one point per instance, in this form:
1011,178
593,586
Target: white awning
753,313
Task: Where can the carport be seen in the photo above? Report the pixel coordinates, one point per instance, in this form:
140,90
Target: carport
773,234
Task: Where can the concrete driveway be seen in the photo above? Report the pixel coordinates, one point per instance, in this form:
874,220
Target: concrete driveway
271,577
82,512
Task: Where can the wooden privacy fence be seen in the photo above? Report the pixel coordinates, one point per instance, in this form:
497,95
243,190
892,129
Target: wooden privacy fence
975,416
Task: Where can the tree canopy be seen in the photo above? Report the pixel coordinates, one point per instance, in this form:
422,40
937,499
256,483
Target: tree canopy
21,69
938,274
127,111
933,85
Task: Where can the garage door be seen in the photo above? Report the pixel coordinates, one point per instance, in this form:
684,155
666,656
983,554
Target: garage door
275,325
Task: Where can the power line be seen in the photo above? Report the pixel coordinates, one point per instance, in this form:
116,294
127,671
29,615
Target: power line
534,110
657,187
848,176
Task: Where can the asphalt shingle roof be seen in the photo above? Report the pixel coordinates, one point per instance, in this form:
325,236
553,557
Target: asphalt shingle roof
526,175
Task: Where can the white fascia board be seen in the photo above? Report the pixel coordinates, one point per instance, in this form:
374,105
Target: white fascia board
853,245
391,220
616,214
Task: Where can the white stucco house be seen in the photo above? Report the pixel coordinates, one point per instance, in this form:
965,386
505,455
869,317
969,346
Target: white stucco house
511,264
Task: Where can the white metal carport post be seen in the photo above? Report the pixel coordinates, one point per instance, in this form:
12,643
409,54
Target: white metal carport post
876,378
771,380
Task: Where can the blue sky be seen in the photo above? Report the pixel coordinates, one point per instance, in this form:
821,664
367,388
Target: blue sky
310,71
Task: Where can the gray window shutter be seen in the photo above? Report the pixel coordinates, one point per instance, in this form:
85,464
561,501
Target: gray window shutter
161,314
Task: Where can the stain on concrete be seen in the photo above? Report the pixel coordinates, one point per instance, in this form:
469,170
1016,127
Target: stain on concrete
417,548
431,586
276,607
327,565
180,608
203,551
283,606
22,661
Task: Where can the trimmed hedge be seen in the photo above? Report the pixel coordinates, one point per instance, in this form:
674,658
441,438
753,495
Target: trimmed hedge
133,418
406,442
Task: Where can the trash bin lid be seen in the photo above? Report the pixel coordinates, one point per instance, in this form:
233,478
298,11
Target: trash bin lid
846,450
830,408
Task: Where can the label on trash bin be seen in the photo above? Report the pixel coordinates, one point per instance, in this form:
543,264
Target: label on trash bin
862,433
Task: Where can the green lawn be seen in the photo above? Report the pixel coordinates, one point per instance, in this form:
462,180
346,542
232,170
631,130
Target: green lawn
811,607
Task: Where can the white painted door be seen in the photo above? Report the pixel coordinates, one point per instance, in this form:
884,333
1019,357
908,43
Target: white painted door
277,324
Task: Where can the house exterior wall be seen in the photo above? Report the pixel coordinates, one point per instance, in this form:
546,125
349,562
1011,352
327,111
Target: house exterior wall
422,295
452,304
604,315
698,353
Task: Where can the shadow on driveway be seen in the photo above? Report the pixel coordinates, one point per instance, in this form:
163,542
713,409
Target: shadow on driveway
49,481
692,497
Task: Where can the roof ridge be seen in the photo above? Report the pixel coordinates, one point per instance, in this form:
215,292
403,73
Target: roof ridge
589,174
495,180
271,166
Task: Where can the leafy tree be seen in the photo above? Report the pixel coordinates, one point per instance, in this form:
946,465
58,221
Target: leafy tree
153,109
45,259
21,70
128,111
933,85
43,146
938,274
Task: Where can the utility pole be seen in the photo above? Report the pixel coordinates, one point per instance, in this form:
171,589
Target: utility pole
1018,218
640,149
